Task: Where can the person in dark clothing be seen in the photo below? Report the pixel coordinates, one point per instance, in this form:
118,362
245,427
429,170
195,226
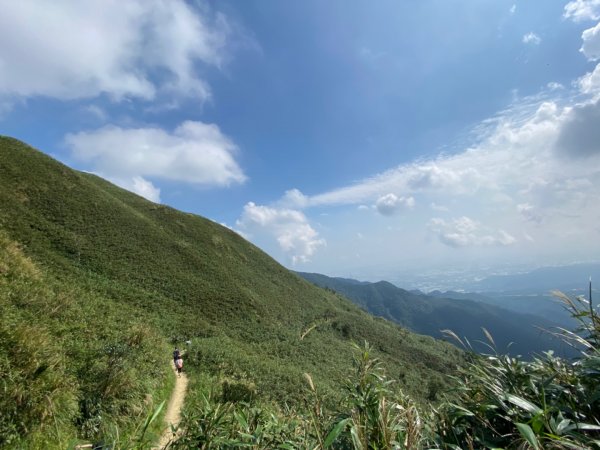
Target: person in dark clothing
176,355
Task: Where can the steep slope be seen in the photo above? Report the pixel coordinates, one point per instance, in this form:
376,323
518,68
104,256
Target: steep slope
121,262
429,315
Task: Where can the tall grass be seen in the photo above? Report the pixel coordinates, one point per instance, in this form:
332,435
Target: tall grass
500,402
505,402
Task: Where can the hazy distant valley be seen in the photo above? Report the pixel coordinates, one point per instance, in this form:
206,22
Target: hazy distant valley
514,308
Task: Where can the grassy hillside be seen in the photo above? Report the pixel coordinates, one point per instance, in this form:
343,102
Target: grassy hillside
114,279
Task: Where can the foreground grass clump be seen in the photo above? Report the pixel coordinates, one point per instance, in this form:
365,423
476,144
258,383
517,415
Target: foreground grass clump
371,414
549,402
72,364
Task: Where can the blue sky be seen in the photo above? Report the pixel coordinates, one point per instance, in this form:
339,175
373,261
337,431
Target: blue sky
344,137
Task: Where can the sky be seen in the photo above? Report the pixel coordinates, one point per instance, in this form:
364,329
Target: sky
351,138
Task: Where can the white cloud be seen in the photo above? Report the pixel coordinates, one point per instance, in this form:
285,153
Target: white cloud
289,227
440,174
294,199
513,9
591,43
590,82
146,189
531,38
520,174
554,86
580,10
97,112
389,204
194,152
135,49
580,134
465,232
521,155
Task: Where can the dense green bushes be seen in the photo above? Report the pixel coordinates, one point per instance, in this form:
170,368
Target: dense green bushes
71,363
499,402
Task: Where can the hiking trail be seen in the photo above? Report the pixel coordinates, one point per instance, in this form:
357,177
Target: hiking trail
173,414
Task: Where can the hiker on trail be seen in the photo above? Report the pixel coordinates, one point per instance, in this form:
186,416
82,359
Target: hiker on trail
179,365
176,354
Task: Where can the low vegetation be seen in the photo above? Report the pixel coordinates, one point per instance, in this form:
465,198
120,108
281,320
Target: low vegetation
97,284
500,402
103,283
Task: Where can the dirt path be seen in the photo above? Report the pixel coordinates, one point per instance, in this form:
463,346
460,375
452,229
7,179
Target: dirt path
173,415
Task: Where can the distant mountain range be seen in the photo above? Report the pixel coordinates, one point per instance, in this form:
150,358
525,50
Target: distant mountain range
428,314
543,305
545,279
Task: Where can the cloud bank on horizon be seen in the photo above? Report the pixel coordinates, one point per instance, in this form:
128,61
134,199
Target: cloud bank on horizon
140,78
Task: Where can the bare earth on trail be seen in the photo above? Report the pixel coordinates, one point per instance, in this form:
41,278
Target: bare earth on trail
173,415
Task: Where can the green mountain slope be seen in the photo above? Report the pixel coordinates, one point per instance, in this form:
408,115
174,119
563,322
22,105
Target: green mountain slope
115,279
512,332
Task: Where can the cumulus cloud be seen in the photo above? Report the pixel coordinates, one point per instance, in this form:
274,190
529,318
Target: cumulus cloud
591,43
590,82
389,204
123,49
531,38
294,199
580,10
146,189
465,232
194,152
291,229
580,134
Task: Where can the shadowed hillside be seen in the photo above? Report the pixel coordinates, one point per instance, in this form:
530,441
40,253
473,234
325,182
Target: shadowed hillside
119,278
517,333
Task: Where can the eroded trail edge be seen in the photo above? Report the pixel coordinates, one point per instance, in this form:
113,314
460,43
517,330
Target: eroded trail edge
173,414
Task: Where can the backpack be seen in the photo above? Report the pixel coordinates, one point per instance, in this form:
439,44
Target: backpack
179,363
